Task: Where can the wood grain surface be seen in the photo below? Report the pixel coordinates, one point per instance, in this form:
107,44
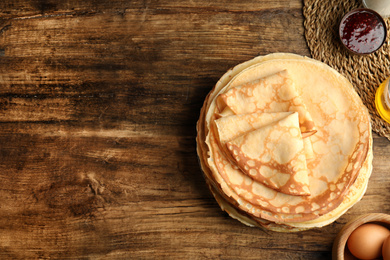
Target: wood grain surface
98,105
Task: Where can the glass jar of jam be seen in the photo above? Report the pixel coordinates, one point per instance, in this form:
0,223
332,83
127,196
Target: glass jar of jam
362,31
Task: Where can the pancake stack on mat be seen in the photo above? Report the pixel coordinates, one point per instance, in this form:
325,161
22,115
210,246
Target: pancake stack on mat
285,143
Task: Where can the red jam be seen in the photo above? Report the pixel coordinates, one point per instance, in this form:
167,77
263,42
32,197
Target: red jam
362,31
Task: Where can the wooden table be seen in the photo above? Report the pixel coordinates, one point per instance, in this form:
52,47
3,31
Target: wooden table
99,101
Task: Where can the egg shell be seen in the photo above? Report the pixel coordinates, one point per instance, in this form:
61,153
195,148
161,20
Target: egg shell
386,249
366,241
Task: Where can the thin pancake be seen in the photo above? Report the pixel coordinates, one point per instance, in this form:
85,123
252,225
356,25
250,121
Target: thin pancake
274,156
339,158
232,126
345,114
274,93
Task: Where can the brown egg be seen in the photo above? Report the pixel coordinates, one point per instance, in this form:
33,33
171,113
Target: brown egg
367,240
386,249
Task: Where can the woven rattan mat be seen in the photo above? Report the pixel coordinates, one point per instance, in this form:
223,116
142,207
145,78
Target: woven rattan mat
365,72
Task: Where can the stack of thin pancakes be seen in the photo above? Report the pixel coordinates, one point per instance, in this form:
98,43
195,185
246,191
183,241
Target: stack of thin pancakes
285,143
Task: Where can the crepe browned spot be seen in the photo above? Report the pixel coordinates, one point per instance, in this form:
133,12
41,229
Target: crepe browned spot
274,156
274,93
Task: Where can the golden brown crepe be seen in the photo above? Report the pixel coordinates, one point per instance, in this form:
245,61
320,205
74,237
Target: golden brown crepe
274,156
341,160
274,93
230,127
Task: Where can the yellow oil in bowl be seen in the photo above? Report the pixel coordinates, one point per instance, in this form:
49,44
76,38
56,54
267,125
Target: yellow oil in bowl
382,100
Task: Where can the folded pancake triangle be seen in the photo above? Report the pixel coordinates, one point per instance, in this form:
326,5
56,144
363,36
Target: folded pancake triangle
231,127
274,93
274,155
